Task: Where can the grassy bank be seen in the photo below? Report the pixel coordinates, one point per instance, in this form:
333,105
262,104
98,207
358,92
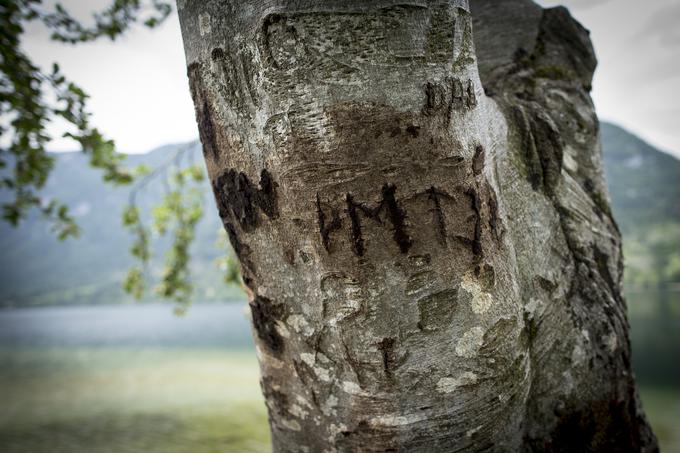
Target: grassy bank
170,400
131,400
662,406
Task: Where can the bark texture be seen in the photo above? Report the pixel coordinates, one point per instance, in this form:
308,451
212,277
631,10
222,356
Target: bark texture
415,193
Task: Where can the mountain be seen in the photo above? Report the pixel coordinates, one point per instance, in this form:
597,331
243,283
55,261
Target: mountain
644,183
37,269
644,186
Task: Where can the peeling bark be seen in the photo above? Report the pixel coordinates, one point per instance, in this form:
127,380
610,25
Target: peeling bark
458,286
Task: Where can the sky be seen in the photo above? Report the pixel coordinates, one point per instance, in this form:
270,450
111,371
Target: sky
140,93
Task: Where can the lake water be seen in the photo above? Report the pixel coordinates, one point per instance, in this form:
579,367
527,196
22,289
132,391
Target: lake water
654,318
223,325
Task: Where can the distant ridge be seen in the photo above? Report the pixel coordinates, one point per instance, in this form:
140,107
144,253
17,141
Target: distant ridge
644,186
37,269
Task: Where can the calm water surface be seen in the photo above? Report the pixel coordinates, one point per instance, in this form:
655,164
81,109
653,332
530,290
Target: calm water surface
223,325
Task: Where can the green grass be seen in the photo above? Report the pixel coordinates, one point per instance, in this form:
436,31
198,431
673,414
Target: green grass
127,400
98,400
662,406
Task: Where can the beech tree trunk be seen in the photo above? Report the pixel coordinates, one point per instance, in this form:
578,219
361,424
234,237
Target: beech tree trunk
414,190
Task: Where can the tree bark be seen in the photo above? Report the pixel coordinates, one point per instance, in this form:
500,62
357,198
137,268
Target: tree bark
421,220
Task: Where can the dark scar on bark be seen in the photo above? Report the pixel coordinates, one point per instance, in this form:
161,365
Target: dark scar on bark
362,434
206,130
543,147
529,154
265,314
395,214
239,199
357,240
550,148
601,260
413,131
266,196
237,202
607,424
204,113
471,96
475,204
217,53
325,227
434,95
493,216
478,160
386,347
435,195
242,252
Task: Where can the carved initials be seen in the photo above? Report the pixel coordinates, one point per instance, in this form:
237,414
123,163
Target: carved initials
389,209
449,94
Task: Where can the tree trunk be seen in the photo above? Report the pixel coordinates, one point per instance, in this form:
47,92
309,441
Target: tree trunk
423,227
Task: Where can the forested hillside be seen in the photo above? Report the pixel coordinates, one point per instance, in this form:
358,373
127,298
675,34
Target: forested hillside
644,185
37,269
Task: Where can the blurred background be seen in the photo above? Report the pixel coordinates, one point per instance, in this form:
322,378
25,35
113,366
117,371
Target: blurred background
84,368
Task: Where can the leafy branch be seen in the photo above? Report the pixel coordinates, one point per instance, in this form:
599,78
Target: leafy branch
176,216
31,98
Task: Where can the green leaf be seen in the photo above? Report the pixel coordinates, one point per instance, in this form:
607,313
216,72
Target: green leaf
130,216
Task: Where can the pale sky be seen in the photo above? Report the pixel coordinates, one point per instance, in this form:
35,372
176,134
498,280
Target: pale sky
140,94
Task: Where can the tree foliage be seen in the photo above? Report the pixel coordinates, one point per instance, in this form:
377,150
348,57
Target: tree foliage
176,215
31,98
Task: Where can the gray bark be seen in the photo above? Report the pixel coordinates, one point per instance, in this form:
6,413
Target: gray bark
421,220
